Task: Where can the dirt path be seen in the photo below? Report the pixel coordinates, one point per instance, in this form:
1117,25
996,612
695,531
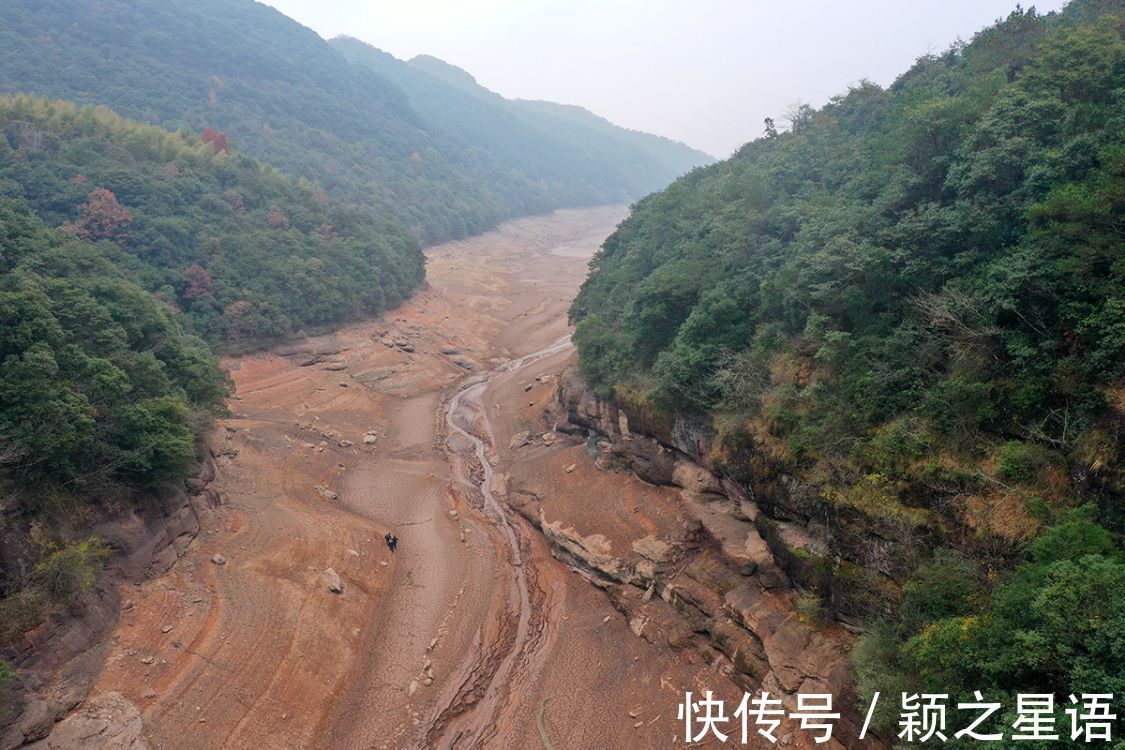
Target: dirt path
471,634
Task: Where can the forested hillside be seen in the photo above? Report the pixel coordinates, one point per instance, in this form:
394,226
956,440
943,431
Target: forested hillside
283,95
248,254
902,323
101,394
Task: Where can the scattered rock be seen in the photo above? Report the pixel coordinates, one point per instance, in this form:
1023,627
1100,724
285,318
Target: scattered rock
346,443
166,629
370,439
570,468
549,438
127,605
332,579
519,440
218,559
335,366
353,553
147,660
528,387
324,492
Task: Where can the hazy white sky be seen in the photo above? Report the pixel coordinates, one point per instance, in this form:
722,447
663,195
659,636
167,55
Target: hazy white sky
705,72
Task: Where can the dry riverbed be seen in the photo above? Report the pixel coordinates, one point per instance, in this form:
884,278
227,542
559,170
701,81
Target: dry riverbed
471,634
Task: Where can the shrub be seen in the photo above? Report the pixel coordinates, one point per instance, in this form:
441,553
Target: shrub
809,607
1015,461
69,571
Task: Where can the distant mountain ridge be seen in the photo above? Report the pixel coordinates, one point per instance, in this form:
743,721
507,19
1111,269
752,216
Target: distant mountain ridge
536,112
366,132
567,146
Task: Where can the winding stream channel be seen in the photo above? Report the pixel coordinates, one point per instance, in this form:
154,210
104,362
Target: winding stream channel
473,728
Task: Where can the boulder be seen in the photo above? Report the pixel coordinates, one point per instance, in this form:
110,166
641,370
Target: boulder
332,580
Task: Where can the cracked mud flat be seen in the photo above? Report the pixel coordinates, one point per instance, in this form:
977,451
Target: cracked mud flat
471,634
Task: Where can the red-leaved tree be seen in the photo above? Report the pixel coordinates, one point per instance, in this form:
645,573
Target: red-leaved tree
217,140
198,281
276,218
103,218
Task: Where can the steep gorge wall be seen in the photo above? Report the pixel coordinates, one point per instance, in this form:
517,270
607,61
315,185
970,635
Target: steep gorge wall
729,582
58,662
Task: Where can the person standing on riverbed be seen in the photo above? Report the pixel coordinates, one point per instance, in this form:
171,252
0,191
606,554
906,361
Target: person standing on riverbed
391,540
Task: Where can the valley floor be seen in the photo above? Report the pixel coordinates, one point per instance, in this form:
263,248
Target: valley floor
471,634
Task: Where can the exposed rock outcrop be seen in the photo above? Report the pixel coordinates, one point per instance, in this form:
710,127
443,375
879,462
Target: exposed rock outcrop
718,586
57,663
105,722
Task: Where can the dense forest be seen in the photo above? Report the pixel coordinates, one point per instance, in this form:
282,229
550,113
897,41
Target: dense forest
287,97
248,254
911,303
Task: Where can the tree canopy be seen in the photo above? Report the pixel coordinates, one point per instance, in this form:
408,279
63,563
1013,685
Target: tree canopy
913,301
248,254
442,163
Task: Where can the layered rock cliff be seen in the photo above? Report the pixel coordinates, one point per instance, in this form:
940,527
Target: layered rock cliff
57,663
723,577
